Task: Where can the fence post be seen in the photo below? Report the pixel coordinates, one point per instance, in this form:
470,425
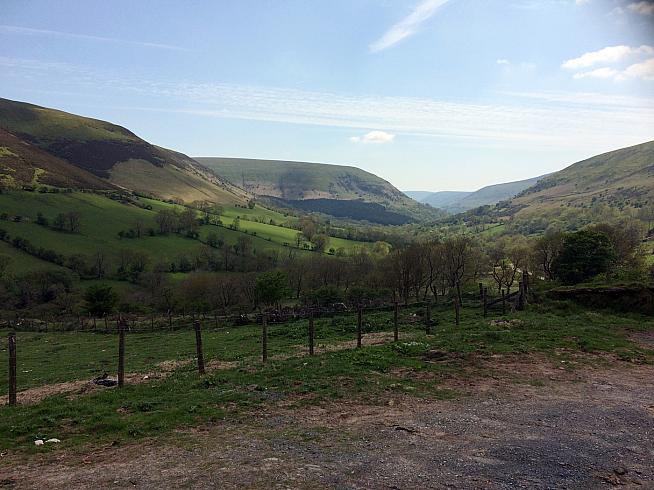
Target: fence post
485,299
428,319
359,325
521,296
503,303
481,291
198,347
396,333
12,368
264,338
457,308
311,332
121,352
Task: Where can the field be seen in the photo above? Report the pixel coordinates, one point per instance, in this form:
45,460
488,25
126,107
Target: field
384,382
181,399
103,218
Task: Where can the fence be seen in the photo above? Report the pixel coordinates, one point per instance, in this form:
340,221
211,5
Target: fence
35,360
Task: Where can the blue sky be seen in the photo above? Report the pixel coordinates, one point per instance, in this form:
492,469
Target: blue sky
429,94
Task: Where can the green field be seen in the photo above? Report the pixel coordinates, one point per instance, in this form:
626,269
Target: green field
157,406
103,218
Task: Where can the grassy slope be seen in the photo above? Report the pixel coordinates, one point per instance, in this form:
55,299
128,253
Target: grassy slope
491,194
373,372
102,219
302,180
621,177
108,151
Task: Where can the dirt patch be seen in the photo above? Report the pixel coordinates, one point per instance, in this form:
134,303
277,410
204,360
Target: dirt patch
77,388
572,431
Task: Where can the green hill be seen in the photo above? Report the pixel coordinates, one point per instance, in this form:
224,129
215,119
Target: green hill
458,201
41,146
336,190
107,227
619,179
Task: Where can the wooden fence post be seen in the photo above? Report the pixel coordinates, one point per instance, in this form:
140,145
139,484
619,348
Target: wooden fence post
503,303
264,338
121,352
12,368
428,319
311,332
396,333
485,299
481,291
198,347
521,297
457,308
359,325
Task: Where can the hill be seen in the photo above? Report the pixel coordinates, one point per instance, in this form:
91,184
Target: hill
337,190
445,199
492,194
460,201
619,179
51,147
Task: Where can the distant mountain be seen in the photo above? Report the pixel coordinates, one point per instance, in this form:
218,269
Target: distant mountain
418,195
45,146
336,190
459,201
445,199
491,194
620,178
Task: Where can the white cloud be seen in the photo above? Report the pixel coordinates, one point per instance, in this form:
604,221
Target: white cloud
605,72
511,120
503,61
27,31
642,8
582,2
407,26
376,137
643,71
611,54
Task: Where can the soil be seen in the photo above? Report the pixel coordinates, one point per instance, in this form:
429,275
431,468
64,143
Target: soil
527,422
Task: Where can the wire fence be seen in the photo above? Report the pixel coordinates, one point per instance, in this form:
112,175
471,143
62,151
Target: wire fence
36,362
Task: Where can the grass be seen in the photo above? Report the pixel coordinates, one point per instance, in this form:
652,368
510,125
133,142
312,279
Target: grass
373,373
103,218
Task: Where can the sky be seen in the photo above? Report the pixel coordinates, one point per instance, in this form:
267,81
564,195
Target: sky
428,94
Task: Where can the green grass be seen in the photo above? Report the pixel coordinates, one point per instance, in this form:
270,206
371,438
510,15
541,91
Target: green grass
373,373
102,218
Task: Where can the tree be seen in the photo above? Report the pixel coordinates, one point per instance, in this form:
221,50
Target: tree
272,287
167,220
584,254
320,242
100,300
546,251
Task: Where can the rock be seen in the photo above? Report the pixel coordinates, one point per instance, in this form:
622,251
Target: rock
620,470
53,440
39,442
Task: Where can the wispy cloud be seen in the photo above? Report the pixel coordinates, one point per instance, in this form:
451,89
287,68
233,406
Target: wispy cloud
608,55
642,8
558,120
643,70
28,31
408,26
373,137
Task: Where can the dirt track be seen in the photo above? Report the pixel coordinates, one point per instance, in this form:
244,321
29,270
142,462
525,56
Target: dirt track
527,425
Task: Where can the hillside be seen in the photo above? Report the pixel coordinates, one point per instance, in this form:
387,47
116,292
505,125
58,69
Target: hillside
460,201
108,227
46,146
326,187
445,199
620,179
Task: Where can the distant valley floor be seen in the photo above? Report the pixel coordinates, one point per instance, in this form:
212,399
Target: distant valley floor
528,423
